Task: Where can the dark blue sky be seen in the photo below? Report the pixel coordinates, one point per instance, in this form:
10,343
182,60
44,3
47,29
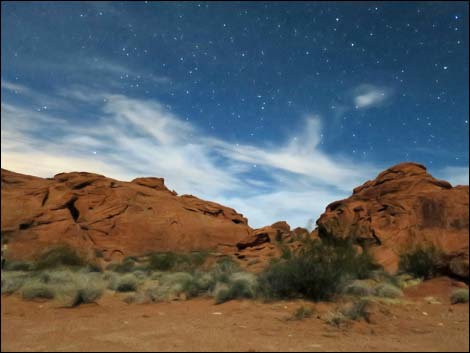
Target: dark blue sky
274,109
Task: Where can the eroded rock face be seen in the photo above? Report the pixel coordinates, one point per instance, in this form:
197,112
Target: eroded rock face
115,218
402,207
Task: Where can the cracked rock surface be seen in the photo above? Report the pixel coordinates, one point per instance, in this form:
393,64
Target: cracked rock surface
116,218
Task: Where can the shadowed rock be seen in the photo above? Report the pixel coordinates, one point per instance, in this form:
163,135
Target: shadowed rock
403,207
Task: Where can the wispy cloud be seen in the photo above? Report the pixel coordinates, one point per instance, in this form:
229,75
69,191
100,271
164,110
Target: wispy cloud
134,137
293,180
367,95
455,175
14,87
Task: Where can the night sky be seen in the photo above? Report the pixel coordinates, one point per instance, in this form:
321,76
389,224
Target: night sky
274,109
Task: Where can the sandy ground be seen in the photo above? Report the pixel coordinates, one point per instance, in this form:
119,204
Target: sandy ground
199,325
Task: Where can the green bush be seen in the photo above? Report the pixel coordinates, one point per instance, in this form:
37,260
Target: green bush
162,261
127,265
318,271
422,262
62,255
286,252
18,266
459,296
177,262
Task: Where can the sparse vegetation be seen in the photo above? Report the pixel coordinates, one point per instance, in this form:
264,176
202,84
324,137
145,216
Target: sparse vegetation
302,312
357,310
422,262
12,282
360,288
459,296
239,285
318,271
125,283
37,289
177,262
61,255
18,266
387,290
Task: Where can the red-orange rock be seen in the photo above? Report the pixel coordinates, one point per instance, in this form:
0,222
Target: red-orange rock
95,213
404,206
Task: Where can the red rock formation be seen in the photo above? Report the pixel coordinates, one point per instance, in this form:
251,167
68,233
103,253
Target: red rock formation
116,218
402,207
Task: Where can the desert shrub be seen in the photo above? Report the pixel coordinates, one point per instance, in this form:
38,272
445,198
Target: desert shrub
422,262
162,261
125,266
386,290
357,310
37,289
221,292
59,276
177,262
318,271
137,298
126,283
62,255
140,275
18,266
335,318
204,281
302,312
238,286
173,285
406,280
222,270
360,288
286,253
12,281
459,296
253,262
81,290
87,293
99,253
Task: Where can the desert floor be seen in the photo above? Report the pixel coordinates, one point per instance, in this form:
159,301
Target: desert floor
414,324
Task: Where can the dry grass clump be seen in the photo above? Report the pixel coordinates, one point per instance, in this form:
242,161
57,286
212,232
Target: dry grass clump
302,312
71,288
459,296
12,281
354,311
387,290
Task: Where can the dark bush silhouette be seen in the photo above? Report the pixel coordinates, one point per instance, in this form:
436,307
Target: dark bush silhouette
318,271
422,262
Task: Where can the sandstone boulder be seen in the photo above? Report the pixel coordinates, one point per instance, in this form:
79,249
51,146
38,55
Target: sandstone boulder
403,207
114,218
